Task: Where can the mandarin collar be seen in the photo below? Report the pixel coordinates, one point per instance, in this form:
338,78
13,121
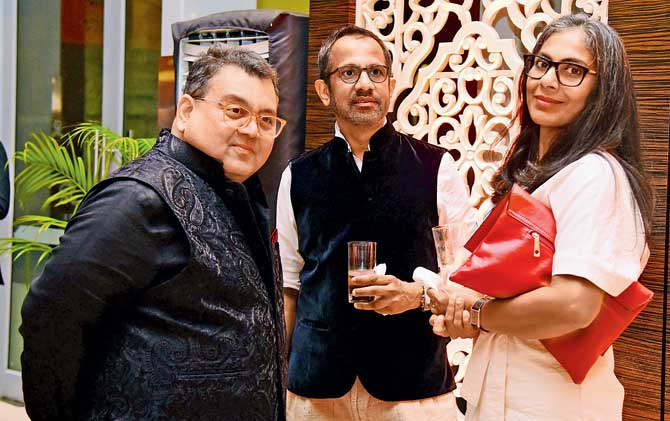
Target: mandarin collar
205,167
379,140
383,137
197,161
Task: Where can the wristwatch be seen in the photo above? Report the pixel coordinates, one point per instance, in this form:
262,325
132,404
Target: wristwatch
475,311
424,299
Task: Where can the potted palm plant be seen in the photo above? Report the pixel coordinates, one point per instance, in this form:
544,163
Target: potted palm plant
66,169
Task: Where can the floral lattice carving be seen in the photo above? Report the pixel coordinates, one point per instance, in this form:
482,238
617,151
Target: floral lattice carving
462,93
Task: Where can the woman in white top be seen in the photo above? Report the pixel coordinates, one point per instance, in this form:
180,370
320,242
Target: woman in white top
578,151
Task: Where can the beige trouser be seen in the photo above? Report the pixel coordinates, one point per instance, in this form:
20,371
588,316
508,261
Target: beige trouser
358,405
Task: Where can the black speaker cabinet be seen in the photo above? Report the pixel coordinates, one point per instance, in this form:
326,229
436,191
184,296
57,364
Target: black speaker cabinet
280,37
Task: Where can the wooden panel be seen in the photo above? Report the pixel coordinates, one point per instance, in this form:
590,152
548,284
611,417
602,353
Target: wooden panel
324,17
166,102
645,28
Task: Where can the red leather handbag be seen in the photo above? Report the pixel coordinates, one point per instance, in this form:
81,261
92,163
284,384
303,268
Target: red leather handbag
512,253
512,250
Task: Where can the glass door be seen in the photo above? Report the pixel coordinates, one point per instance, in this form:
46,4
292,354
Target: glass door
65,62
10,384
57,83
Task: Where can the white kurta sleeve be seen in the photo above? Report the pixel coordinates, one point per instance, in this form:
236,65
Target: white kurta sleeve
599,230
291,260
452,194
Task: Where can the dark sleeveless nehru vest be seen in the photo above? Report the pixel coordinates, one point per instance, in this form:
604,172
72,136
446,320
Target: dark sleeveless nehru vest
393,202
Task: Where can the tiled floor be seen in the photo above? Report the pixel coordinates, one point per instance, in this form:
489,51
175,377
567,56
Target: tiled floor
9,412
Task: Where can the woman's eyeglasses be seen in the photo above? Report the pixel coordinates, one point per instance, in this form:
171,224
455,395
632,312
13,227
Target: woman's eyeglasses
567,73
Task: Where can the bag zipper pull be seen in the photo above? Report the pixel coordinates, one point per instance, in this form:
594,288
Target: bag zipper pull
536,244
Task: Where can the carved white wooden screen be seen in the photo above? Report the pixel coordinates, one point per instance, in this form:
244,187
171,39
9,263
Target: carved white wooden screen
465,97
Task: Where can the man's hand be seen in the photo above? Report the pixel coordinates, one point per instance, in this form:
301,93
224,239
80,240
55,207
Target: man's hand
439,298
390,294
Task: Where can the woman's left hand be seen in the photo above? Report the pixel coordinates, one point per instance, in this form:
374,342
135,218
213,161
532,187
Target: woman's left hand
455,322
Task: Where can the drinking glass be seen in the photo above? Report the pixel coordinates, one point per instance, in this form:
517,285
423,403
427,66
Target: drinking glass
362,256
449,244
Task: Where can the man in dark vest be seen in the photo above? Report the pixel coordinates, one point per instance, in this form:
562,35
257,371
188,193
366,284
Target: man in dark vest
376,360
161,301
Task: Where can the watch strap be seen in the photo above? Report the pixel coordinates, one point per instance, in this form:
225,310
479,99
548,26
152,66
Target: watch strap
475,312
424,300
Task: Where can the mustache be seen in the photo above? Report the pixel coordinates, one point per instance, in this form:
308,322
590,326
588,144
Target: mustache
367,95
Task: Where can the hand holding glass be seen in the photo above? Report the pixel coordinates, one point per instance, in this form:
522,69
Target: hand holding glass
362,256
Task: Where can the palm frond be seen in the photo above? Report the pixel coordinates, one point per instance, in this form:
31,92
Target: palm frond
126,149
20,246
49,165
111,146
67,168
88,132
43,222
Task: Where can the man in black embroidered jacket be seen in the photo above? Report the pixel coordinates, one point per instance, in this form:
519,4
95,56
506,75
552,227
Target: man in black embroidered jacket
161,301
381,358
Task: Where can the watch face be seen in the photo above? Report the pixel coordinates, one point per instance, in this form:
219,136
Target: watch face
474,316
474,311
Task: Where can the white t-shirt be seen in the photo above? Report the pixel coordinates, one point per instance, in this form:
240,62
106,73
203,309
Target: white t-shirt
599,237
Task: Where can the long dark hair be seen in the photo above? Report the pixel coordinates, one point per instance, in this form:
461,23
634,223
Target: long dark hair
608,123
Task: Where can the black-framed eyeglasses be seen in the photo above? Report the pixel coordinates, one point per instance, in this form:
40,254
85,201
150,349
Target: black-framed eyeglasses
237,116
350,73
567,73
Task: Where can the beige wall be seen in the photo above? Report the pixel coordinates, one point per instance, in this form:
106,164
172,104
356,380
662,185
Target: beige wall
301,6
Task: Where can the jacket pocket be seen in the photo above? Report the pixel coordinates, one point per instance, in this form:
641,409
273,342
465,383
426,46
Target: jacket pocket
315,325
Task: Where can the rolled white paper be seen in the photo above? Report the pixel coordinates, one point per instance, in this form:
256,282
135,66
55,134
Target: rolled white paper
429,278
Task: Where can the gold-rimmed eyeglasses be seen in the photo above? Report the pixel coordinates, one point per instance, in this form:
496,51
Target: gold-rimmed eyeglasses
567,73
237,116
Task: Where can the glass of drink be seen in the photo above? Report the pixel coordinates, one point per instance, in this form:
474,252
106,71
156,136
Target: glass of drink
449,244
362,261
